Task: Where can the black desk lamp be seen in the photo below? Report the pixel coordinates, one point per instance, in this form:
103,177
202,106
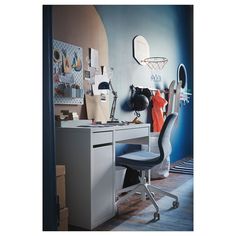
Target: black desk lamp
139,101
106,85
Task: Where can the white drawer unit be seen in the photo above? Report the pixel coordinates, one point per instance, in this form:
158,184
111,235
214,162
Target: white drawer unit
89,161
102,137
88,154
131,134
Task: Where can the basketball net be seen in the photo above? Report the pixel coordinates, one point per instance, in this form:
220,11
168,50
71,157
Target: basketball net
155,64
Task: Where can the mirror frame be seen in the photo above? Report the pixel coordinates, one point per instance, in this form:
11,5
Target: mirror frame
180,72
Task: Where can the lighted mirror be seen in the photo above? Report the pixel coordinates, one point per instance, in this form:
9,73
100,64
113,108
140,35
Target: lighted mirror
141,49
182,75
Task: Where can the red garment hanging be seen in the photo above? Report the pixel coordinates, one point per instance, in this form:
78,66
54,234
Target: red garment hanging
157,111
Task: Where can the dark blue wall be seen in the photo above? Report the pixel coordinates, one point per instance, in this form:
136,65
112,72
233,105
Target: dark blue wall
168,30
50,216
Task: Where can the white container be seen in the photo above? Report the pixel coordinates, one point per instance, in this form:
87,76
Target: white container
79,93
119,177
70,92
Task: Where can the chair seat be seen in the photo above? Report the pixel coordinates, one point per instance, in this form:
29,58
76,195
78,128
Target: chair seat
141,160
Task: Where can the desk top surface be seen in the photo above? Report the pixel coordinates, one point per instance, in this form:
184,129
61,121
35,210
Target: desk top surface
107,127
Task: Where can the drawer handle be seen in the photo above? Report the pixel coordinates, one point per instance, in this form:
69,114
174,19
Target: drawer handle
102,145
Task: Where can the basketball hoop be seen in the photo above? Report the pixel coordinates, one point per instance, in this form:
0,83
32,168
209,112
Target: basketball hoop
142,56
155,64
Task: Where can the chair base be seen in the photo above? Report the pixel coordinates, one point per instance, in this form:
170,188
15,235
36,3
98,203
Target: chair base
147,190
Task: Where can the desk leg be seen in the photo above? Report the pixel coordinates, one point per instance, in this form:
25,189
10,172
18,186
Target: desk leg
143,181
149,176
149,149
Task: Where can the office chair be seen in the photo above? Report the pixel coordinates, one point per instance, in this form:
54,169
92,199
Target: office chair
143,161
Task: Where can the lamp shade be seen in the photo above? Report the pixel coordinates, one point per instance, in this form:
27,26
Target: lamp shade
103,85
139,102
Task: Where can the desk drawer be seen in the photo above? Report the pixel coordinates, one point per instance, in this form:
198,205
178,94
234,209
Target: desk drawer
102,137
131,134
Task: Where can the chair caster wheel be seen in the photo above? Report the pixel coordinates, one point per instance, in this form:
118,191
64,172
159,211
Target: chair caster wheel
156,216
175,204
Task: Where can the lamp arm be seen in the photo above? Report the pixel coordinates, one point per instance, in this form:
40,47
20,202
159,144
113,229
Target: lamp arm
113,107
112,89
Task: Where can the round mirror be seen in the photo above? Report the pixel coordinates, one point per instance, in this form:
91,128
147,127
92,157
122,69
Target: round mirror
182,75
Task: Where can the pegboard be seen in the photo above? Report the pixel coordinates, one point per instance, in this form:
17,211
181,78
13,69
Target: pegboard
67,73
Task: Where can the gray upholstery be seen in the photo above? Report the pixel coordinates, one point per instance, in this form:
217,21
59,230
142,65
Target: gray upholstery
143,160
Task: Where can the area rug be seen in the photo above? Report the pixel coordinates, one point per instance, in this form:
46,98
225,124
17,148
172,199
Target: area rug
183,167
180,219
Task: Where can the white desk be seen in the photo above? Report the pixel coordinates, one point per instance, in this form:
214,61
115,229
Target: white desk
89,156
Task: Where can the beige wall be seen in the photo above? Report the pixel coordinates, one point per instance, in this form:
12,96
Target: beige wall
81,26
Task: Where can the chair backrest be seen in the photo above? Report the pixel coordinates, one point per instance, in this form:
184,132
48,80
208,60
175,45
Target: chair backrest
165,134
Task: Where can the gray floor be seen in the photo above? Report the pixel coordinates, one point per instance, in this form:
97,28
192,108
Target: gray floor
180,219
137,215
